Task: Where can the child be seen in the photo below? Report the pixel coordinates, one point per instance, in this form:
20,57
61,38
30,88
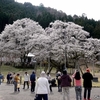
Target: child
18,87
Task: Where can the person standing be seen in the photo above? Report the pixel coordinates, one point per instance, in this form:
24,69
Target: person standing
16,83
65,84
42,87
78,85
13,76
58,78
87,84
49,80
8,77
26,80
1,77
32,79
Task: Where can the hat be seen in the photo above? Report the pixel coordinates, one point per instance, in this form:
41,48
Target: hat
59,72
88,70
43,73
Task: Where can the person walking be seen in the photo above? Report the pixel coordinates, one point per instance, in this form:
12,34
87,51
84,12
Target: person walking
65,84
26,80
42,87
87,84
32,80
78,84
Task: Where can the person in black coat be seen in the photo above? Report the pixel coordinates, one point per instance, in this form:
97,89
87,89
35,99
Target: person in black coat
32,79
87,84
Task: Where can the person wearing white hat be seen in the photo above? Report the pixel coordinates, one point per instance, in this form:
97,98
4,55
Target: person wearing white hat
42,87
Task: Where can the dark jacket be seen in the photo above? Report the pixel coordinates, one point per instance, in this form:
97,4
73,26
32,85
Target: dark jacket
87,80
65,81
32,77
8,76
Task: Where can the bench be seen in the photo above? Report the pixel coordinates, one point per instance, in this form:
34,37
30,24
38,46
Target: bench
95,79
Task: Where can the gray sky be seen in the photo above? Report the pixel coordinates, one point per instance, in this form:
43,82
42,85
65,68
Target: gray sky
70,7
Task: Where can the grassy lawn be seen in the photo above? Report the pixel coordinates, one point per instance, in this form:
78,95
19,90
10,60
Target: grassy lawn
5,69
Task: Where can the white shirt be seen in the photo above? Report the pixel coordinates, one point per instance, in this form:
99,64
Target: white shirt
49,77
42,86
26,77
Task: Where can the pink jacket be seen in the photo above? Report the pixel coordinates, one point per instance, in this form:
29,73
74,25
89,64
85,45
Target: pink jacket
78,82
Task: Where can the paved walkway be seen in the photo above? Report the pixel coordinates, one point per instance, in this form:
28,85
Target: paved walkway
6,93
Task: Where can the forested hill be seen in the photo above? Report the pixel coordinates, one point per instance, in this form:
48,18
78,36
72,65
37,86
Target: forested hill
11,11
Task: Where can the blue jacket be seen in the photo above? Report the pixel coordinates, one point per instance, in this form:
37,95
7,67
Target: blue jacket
32,77
1,76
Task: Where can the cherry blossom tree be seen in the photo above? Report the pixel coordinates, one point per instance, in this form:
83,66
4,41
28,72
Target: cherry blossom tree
21,37
69,40
60,42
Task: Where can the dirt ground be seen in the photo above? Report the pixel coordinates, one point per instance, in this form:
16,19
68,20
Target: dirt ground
7,93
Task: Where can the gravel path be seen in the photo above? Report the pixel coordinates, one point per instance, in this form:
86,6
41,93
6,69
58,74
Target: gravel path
7,93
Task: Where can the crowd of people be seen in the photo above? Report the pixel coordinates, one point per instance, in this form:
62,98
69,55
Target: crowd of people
42,85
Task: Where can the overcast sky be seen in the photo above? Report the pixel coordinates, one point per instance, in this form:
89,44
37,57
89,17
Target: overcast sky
70,7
